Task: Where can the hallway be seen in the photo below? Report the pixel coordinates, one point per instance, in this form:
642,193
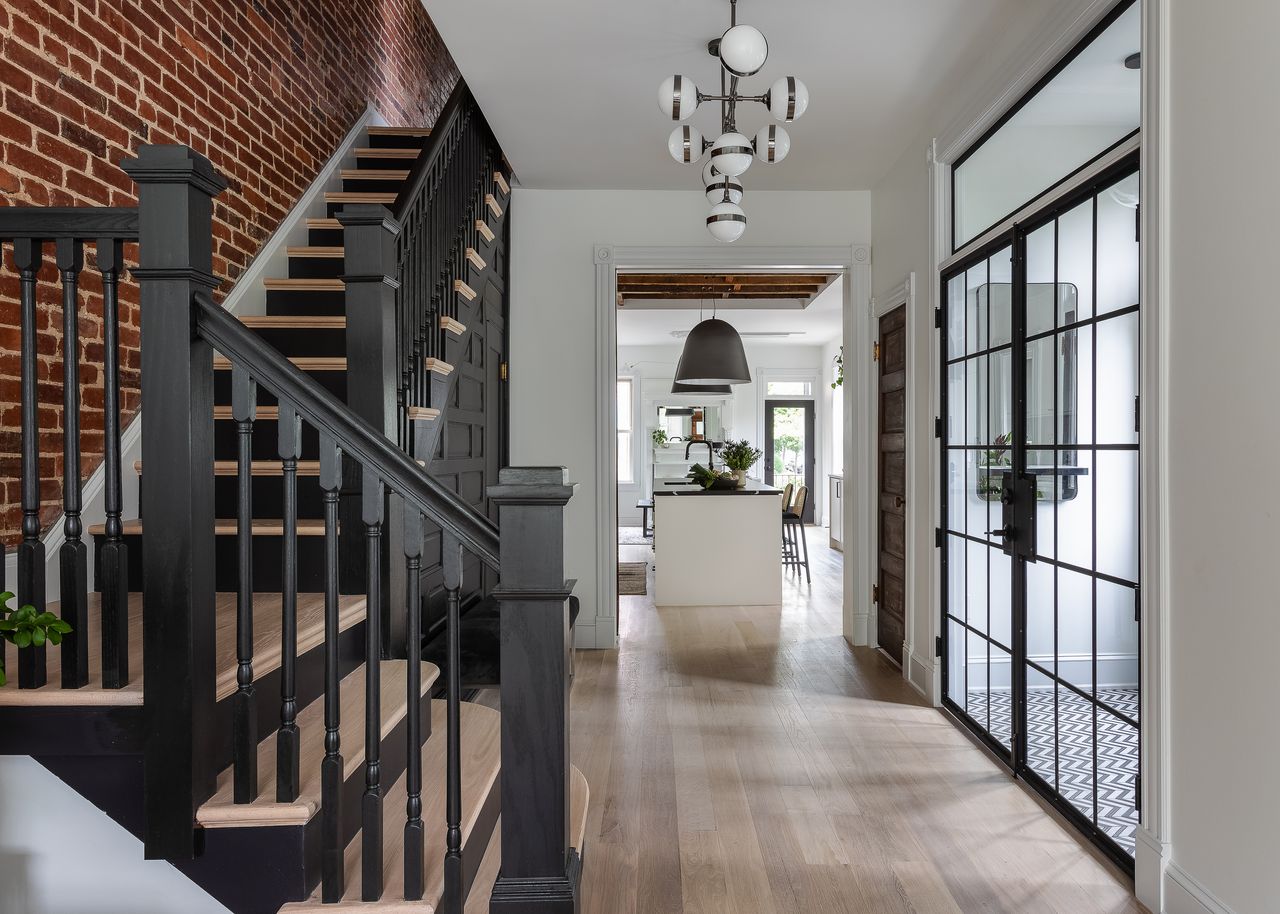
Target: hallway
748,760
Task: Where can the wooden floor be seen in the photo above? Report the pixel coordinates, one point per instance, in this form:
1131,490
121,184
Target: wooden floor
746,759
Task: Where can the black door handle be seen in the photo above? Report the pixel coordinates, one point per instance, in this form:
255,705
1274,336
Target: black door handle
1000,531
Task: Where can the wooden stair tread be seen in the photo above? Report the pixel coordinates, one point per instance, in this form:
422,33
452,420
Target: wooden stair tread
464,290
292,322
263,414
326,224
304,362
480,729
439,366
422,413
475,259
501,180
223,526
453,326
494,206
304,285
373,174
359,196
257,467
317,251
391,152
221,811
399,131
483,228
266,638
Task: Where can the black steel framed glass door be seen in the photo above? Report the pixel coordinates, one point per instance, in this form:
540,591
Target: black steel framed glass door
1039,549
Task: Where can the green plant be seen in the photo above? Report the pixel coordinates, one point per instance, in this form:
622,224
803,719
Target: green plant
1000,456
24,627
839,360
739,455
705,477
659,437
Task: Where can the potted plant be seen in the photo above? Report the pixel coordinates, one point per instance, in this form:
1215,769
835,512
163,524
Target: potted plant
740,456
991,477
24,627
658,436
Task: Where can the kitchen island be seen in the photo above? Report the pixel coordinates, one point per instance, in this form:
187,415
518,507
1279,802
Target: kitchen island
717,547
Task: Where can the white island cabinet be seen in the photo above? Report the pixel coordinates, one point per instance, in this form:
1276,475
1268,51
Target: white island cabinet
717,547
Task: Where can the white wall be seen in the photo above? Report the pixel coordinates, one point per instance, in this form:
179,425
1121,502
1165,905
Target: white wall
60,854
553,321
1223,328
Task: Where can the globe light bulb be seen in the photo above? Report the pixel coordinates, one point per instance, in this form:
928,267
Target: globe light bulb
788,99
678,97
726,222
743,50
772,144
685,144
720,185
731,154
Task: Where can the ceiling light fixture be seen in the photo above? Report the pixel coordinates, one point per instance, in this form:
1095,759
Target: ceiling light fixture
742,51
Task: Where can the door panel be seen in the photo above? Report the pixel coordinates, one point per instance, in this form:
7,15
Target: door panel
892,452
1040,490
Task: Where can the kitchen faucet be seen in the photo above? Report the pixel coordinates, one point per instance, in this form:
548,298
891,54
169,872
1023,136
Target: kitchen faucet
711,452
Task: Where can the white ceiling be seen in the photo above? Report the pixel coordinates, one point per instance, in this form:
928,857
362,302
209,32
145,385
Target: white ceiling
570,86
818,324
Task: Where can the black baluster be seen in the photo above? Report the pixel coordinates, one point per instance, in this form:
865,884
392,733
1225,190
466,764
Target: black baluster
288,763
72,557
414,834
371,803
452,559
113,556
244,706
331,779
27,256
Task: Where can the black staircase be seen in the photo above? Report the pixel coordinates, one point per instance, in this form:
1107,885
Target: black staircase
223,712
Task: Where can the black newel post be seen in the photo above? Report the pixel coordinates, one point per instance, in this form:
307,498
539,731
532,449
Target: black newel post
540,872
369,271
176,187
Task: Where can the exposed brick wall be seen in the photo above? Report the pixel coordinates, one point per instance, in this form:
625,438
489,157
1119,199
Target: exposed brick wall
265,88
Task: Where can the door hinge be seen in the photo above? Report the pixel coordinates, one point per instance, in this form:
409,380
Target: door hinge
937,427
1137,793
937,646
1137,414
937,318
1137,223
502,371
938,537
875,351
875,593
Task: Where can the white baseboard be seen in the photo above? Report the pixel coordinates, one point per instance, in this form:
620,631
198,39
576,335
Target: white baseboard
247,297
920,673
860,632
1151,861
1184,895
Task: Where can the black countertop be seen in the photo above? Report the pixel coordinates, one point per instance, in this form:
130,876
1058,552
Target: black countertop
683,487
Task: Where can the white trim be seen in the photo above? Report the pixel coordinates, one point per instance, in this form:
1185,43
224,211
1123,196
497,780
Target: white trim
246,297
854,261
903,295
1156,680
1185,895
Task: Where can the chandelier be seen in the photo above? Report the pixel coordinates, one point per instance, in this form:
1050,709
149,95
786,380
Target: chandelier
742,51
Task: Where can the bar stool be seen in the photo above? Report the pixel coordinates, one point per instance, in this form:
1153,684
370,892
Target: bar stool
793,520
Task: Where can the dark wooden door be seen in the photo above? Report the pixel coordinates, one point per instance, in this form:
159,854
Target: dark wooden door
790,449
892,483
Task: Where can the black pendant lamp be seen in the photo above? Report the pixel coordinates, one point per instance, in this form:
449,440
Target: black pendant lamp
712,389
713,354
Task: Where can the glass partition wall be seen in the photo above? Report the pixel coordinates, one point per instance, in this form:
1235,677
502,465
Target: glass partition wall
1040,502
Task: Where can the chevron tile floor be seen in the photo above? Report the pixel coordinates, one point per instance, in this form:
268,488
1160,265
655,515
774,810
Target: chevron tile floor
1117,750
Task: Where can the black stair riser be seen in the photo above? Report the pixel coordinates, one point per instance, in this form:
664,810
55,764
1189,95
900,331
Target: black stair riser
306,341
333,381
268,496
267,577
377,186
315,267
324,238
294,303
396,141
266,443
393,163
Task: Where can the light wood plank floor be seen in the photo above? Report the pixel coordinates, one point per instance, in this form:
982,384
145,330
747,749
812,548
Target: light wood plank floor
746,759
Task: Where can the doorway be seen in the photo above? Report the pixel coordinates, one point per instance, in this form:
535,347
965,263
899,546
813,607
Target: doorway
1040,503
790,448
891,454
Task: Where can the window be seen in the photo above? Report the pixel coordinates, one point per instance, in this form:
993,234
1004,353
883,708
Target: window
626,412
789,389
1087,105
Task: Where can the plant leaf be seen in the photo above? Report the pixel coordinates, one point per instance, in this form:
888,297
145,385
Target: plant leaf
46,619
55,638
60,627
38,637
22,639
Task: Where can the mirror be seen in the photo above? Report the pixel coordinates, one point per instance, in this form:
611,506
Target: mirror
691,423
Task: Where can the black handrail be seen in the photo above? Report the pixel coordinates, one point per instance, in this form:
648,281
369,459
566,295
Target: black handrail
419,174
355,436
